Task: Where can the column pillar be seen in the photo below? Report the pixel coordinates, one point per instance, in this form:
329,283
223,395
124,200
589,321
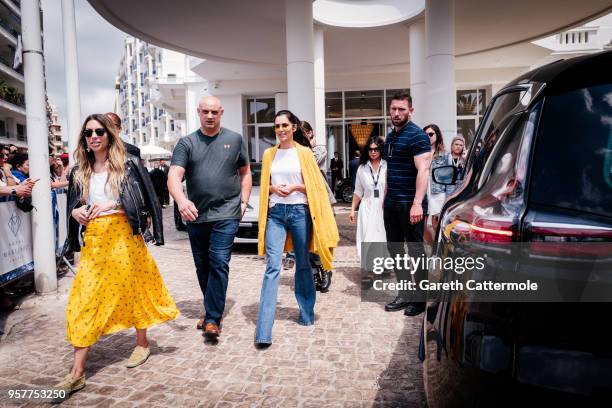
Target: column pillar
440,62
281,101
300,65
194,91
71,71
43,239
319,80
417,72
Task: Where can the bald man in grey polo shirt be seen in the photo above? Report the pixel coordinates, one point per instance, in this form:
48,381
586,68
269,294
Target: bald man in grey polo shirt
215,164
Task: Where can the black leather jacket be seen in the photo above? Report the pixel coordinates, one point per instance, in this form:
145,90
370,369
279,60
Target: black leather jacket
138,200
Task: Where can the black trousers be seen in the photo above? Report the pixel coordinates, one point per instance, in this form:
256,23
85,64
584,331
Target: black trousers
399,231
335,178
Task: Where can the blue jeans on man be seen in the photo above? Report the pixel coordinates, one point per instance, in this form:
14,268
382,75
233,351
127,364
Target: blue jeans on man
283,218
211,244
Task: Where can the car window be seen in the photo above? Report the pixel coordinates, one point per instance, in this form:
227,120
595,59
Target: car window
497,119
572,165
505,172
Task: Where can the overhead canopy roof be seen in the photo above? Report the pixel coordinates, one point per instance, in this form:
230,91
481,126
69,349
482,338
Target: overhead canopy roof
253,32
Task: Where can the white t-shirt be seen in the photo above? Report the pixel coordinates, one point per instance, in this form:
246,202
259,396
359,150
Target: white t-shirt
99,192
286,170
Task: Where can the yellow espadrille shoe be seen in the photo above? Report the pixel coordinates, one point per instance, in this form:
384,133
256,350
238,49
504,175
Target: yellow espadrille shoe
67,386
138,357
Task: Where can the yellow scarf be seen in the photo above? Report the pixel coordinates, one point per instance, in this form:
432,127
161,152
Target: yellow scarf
324,229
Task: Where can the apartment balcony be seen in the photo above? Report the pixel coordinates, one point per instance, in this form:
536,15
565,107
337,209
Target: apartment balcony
10,23
12,100
6,67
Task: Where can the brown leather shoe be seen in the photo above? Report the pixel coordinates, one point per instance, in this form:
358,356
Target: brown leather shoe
212,330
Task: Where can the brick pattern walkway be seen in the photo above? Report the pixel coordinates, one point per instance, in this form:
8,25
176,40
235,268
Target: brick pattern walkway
356,354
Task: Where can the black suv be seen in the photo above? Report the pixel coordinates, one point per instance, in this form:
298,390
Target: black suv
538,176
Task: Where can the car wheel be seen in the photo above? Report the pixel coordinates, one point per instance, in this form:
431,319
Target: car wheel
178,221
347,193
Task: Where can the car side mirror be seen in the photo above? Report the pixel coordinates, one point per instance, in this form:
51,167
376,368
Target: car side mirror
445,175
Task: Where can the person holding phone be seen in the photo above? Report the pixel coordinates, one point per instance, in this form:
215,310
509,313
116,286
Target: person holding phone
117,285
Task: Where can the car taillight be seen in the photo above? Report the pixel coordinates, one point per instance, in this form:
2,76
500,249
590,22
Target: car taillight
495,231
491,231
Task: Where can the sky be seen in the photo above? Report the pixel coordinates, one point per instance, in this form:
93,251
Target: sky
100,48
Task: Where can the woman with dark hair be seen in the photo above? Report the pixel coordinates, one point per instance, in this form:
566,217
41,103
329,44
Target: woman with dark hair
436,193
370,183
117,285
294,213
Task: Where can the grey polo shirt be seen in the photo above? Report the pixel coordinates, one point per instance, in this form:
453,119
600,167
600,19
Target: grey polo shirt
211,166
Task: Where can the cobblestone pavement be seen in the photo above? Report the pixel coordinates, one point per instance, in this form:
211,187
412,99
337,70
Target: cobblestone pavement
356,354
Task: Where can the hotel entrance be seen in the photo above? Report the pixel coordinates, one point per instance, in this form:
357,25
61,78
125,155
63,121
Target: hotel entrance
354,116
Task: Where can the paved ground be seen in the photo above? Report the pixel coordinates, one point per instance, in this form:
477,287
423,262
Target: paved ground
356,355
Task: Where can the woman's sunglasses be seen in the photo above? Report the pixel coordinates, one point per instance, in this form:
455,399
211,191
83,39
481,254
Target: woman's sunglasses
89,132
279,127
376,149
431,134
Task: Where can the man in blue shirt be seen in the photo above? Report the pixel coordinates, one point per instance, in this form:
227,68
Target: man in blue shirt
408,155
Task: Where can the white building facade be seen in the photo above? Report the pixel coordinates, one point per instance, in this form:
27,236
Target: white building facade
12,100
337,63
55,130
143,123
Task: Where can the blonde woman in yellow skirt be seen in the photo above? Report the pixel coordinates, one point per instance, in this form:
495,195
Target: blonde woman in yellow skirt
117,285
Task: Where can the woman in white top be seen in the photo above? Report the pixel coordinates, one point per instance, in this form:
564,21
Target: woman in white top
370,183
294,211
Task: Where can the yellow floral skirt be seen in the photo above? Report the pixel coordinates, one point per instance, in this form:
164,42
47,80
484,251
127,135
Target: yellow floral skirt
117,284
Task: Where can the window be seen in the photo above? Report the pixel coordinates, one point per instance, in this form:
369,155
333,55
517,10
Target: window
3,128
471,106
359,104
21,132
333,105
260,120
260,110
156,133
172,125
572,166
495,123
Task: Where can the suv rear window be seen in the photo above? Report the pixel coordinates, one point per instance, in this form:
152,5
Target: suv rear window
572,166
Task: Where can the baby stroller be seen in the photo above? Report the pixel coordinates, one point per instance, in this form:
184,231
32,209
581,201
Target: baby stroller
322,278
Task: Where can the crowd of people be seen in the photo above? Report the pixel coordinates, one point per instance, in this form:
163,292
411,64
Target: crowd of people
113,199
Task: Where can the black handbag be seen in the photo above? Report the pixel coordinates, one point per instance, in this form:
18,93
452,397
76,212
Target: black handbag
24,204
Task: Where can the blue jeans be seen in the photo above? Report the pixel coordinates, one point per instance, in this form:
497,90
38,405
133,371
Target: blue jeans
294,218
211,244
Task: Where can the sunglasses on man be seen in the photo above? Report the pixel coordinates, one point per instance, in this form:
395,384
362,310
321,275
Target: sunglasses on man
89,132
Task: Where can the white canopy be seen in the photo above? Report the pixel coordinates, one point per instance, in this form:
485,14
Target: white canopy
151,150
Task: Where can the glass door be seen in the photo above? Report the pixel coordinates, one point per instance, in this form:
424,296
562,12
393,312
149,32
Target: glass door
335,143
359,131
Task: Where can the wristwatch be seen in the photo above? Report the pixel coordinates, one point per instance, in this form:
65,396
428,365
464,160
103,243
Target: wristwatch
13,193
